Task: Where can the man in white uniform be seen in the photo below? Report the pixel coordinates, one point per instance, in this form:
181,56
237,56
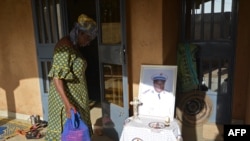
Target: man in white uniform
157,101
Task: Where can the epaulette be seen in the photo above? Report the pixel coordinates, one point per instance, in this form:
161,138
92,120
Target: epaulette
146,91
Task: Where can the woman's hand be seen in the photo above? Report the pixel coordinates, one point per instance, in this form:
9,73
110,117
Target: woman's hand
68,107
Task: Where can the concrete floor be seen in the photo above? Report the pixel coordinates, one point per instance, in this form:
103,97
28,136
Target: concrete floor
97,127
205,132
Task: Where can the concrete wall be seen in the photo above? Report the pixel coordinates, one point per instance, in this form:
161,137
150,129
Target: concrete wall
171,30
148,41
242,65
247,114
19,82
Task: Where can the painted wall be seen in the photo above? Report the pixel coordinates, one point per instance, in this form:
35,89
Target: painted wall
242,66
247,115
145,36
171,30
152,29
19,83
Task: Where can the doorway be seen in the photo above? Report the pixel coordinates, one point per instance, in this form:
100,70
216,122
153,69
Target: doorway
90,52
106,73
52,20
210,25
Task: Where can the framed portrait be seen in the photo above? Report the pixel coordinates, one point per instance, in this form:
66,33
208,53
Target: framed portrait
157,90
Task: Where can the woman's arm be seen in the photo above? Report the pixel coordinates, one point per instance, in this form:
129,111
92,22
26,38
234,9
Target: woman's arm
60,89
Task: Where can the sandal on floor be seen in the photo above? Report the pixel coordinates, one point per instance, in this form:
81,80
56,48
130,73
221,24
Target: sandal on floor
35,134
43,123
22,132
35,127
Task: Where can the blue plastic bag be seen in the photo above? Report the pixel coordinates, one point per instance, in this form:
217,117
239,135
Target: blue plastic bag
74,129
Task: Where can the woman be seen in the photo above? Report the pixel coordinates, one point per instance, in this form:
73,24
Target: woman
68,88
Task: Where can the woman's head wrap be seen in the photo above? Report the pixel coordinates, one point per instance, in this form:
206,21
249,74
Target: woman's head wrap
85,24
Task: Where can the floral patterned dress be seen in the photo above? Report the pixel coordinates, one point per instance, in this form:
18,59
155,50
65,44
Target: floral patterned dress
68,65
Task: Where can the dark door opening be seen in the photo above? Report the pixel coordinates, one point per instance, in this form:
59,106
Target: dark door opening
90,52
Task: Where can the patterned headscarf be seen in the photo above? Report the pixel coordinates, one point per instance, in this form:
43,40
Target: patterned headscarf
85,24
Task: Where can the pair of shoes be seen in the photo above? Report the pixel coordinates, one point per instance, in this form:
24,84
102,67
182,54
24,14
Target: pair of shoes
34,131
43,123
35,127
40,125
35,134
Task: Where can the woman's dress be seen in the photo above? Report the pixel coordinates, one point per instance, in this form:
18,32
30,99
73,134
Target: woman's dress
69,66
